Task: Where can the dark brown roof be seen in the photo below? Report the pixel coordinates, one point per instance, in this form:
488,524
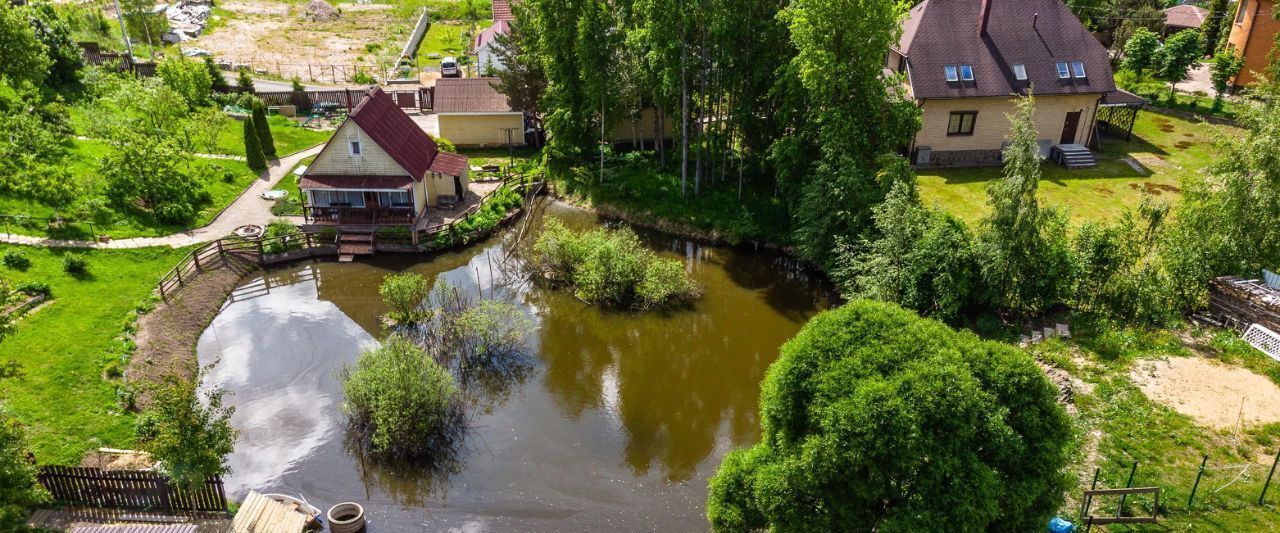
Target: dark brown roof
1035,33
449,164
1121,97
384,122
324,181
502,10
1185,16
469,95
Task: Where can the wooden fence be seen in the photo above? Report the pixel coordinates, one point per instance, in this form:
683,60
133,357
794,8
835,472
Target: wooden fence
129,489
216,254
420,99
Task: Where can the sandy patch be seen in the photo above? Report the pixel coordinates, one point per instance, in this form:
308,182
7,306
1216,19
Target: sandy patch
1208,392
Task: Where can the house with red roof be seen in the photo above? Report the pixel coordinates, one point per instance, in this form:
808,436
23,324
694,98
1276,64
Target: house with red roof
484,46
966,62
380,169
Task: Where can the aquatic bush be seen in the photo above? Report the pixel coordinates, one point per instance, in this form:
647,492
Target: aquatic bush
609,267
402,404
404,294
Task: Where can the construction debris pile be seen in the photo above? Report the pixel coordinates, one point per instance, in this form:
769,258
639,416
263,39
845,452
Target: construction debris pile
187,20
321,11
1240,302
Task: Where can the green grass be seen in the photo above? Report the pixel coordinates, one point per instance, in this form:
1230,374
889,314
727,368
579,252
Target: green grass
1167,445
444,38
292,204
1167,149
653,196
82,163
63,398
287,134
499,156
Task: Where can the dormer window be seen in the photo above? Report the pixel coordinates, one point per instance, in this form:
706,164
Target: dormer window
966,72
1064,72
953,73
1020,72
1077,69
354,145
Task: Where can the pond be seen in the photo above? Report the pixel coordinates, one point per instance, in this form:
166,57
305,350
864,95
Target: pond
618,424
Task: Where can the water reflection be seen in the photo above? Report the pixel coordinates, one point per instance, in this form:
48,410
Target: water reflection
616,422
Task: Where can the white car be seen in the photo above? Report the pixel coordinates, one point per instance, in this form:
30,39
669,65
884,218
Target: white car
449,67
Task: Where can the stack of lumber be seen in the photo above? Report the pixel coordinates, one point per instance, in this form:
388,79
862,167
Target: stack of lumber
260,514
1245,301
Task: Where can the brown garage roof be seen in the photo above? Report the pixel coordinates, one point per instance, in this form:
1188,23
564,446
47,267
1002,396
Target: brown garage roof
469,95
449,164
1185,16
355,182
1034,33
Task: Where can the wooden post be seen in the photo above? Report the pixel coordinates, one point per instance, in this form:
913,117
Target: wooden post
1128,484
179,272
1269,474
310,251
1196,485
262,258
195,256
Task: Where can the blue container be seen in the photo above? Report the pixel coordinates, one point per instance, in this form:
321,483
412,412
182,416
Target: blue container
1058,525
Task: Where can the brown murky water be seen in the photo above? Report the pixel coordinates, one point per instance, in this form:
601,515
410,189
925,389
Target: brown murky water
618,425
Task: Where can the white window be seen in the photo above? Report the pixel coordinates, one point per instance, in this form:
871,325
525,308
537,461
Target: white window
1077,69
1063,71
355,147
966,72
1020,72
952,73
396,199
337,199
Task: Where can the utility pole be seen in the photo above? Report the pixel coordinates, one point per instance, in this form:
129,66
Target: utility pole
128,46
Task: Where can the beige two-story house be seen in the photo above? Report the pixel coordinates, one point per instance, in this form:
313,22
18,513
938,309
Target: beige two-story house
967,61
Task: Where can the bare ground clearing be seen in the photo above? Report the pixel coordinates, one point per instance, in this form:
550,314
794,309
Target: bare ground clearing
1213,394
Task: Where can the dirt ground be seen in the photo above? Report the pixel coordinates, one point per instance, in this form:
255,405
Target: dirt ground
1212,394
168,334
276,37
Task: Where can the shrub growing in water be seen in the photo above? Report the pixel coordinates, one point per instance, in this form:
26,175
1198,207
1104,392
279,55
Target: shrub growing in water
610,267
404,294
401,402
281,236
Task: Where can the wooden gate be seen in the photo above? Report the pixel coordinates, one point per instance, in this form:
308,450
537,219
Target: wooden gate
129,489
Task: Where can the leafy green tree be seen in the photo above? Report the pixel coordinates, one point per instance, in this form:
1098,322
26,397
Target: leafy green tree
263,128
401,402
152,177
244,82
188,78
25,56
1180,52
1026,259
876,419
187,431
404,294
1142,52
1218,17
1225,65
522,78
19,489
253,146
61,49
217,81
923,258
840,46
143,23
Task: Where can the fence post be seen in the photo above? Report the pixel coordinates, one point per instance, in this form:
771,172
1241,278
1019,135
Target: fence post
178,270
310,252
1084,502
262,258
195,256
1269,474
1127,484
1196,485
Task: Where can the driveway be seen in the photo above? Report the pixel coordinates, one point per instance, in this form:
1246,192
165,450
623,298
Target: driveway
1198,81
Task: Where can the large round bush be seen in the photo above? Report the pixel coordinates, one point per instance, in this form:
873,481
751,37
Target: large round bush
875,419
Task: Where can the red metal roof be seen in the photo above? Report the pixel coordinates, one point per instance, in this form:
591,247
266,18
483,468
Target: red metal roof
502,10
449,164
384,122
356,182
1185,16
501,27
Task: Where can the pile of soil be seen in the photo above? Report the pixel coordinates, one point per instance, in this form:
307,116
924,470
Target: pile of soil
321,11
1211,393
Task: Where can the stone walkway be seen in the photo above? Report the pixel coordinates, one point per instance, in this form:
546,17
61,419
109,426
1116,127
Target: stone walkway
248,208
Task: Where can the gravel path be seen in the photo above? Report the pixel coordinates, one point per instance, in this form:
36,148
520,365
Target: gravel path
248,208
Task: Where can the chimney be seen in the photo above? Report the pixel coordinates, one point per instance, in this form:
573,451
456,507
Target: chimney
985,16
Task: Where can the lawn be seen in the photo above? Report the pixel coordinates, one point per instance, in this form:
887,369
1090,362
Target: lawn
444,38
287,134
292,204
82,163
1121,425
66,347
1163,151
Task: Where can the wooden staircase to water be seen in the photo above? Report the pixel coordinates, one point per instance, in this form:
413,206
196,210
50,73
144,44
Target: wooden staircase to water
353,242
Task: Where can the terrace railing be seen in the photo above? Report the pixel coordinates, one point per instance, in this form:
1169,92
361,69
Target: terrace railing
129,489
